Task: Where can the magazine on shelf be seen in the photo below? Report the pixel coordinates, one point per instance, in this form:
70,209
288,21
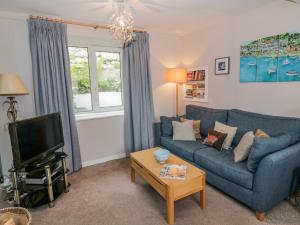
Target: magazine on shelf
173,171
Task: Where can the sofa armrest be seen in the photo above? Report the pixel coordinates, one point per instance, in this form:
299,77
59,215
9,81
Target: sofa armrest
273,178
157,134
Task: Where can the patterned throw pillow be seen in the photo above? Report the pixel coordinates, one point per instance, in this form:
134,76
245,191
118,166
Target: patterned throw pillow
215,139
261,134
196,127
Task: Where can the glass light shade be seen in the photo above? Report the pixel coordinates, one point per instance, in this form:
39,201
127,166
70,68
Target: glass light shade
11,85
176,75
121,25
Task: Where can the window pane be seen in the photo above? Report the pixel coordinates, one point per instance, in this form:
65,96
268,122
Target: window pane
81,84
109,79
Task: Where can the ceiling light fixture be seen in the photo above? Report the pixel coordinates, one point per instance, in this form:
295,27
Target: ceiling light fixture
121,25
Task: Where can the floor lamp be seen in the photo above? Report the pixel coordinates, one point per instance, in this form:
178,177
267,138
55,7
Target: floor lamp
177,76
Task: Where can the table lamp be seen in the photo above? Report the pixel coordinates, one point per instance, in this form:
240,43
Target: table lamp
11,85
177,76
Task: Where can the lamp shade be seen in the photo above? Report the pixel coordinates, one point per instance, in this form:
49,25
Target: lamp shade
12,84
176,75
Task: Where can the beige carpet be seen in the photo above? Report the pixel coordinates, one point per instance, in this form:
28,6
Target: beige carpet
104,195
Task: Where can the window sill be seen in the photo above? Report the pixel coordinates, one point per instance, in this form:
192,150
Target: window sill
98,115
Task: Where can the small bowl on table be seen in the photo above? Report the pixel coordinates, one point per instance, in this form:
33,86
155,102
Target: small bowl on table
161,155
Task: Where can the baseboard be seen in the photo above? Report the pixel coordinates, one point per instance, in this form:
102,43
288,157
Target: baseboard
104,159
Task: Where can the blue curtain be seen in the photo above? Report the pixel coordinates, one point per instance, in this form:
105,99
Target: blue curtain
137,91
52,80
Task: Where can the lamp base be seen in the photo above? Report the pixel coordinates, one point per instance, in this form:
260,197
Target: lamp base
12,112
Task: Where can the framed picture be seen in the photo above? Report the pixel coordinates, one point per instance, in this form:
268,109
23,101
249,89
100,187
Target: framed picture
196,87
222,66
271,59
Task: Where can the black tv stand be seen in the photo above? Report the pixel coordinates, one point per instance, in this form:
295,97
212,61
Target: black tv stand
44,175
45,160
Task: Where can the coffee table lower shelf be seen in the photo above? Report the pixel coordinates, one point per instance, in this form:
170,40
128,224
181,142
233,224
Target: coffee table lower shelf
173,190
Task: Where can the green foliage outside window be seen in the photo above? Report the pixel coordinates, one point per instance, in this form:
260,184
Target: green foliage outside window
112,67
80,73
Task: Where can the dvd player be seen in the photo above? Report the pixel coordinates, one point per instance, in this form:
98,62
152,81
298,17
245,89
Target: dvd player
42,180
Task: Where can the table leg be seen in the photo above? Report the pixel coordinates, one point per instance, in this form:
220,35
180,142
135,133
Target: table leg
132,175
170,205
66,183
202,193
50,187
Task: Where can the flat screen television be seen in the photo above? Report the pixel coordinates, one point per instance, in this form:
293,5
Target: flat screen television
36,138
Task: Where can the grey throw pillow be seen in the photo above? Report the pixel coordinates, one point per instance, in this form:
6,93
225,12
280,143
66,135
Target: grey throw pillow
183,131
241,152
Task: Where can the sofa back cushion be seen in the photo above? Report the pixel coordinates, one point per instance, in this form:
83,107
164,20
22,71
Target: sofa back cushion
166,125
272,125
207,116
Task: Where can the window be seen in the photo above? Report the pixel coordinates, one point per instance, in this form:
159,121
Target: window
96,79
109,82
81,84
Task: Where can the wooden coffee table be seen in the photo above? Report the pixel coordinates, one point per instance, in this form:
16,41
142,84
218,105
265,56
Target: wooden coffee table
144,163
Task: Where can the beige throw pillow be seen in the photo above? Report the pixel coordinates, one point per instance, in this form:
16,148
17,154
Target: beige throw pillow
241,152
183,131
230,131
196,127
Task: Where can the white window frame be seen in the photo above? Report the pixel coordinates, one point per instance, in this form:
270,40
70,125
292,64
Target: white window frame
92,59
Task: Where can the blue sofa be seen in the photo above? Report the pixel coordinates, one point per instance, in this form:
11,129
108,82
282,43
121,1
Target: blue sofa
269,185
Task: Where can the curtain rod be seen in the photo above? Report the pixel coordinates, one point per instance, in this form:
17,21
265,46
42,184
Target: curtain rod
78,23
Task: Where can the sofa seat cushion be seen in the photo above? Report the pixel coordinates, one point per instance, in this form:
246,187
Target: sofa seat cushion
222,164
207,116
184,149
272,125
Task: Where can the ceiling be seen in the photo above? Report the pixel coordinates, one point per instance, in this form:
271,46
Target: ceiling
177,16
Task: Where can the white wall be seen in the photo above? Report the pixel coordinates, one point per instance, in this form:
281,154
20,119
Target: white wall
99,139
202,47
14,58
166,52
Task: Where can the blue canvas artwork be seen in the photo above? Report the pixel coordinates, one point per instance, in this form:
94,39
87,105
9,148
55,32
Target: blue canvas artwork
271,59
